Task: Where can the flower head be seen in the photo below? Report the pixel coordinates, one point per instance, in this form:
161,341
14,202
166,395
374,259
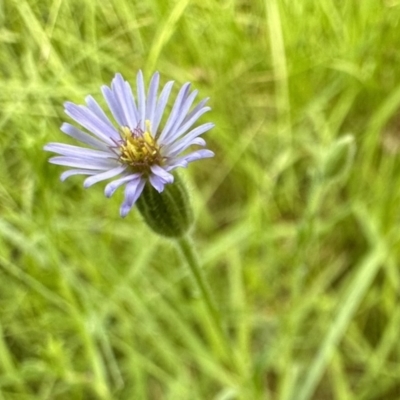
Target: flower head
135,150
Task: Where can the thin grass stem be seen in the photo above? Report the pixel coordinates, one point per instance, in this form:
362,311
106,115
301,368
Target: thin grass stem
189,253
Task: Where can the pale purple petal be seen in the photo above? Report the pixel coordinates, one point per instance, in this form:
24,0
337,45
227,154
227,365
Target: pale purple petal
104,175
152,97
72,172
124,100
199,141
179,131
157,183
91,122
76,151
187,140
161,173
188,158
160,177
113,105
168,135
133,190
114,185
175,163
83,137
98,164
141,100
117,87
162,102
198,155
94,106
197,109
133,111
176,108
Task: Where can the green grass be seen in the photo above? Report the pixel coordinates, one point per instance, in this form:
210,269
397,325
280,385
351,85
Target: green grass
298,234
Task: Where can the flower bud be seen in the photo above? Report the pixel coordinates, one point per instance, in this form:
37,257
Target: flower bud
167,213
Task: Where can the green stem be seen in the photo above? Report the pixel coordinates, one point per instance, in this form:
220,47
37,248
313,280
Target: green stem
188,251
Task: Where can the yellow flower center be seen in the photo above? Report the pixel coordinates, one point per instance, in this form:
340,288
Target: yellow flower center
139,149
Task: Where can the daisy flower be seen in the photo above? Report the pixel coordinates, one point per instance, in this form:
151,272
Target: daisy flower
135,150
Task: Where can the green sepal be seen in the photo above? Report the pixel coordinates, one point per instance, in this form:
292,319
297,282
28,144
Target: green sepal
167,213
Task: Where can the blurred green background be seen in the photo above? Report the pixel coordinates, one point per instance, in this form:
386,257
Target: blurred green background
297,214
